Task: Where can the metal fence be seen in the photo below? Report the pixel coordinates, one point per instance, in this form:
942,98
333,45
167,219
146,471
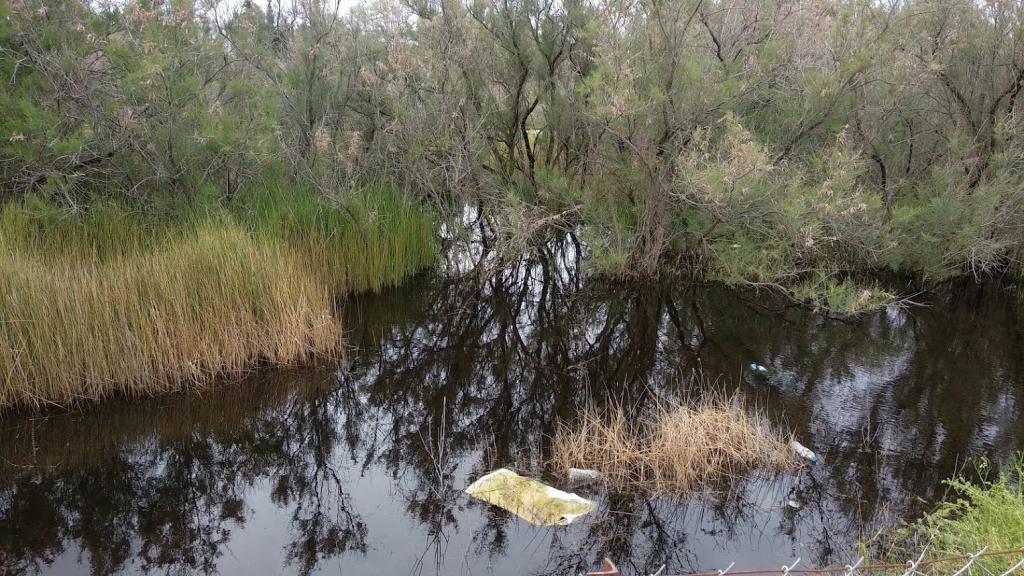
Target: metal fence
981,563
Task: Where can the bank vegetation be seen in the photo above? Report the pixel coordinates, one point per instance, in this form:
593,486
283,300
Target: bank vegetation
804,146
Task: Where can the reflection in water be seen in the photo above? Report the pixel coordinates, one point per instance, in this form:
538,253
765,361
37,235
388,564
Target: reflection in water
359,469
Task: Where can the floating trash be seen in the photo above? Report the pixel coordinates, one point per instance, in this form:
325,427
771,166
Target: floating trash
533,501
608,568
794,505
583,476
758,369
803,452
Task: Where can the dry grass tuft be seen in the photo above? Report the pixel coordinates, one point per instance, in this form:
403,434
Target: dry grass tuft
676,450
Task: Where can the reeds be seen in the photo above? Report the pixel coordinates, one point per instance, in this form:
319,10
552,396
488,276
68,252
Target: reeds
130,305
377,239
217,303
675,450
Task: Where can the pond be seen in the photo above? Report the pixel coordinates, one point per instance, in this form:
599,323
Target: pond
358,468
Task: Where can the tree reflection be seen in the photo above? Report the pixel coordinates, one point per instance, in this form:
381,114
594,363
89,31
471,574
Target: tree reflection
161,485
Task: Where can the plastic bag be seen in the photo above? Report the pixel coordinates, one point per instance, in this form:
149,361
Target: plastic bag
533,501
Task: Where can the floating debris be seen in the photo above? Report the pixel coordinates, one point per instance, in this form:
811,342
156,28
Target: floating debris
533,501
803,452
583,476
758,369
794,505
608,568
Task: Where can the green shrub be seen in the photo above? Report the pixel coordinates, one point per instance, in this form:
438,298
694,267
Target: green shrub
985,513
843,297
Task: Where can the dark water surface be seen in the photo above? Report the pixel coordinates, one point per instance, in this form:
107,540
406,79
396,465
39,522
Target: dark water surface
359,468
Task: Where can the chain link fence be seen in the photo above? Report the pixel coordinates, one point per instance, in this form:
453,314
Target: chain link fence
981,563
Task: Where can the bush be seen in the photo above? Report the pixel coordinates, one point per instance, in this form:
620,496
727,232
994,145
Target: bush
985,513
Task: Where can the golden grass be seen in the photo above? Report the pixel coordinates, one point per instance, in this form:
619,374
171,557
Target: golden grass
211,303
677,450
137,298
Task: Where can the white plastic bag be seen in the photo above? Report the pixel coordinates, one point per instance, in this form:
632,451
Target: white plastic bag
533,501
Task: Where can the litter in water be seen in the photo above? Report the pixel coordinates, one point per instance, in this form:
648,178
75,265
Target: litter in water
583,476
758,369
533,501
803,452
794,505
608,568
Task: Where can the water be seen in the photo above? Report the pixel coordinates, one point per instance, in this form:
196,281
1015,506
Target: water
359,468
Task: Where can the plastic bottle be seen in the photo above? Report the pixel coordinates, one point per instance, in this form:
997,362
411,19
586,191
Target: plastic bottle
803,452
758,369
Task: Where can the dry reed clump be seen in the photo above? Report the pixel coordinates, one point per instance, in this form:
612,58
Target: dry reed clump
679,449
216,302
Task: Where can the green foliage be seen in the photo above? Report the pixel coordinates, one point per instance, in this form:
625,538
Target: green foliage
32,134
758,142
843,297
985,513
795,227
610,228
375,238
740,260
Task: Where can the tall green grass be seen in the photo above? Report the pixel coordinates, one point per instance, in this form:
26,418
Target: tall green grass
134,299
375,240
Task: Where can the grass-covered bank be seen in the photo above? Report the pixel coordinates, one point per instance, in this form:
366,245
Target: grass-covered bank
141,299
796,146
985,511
